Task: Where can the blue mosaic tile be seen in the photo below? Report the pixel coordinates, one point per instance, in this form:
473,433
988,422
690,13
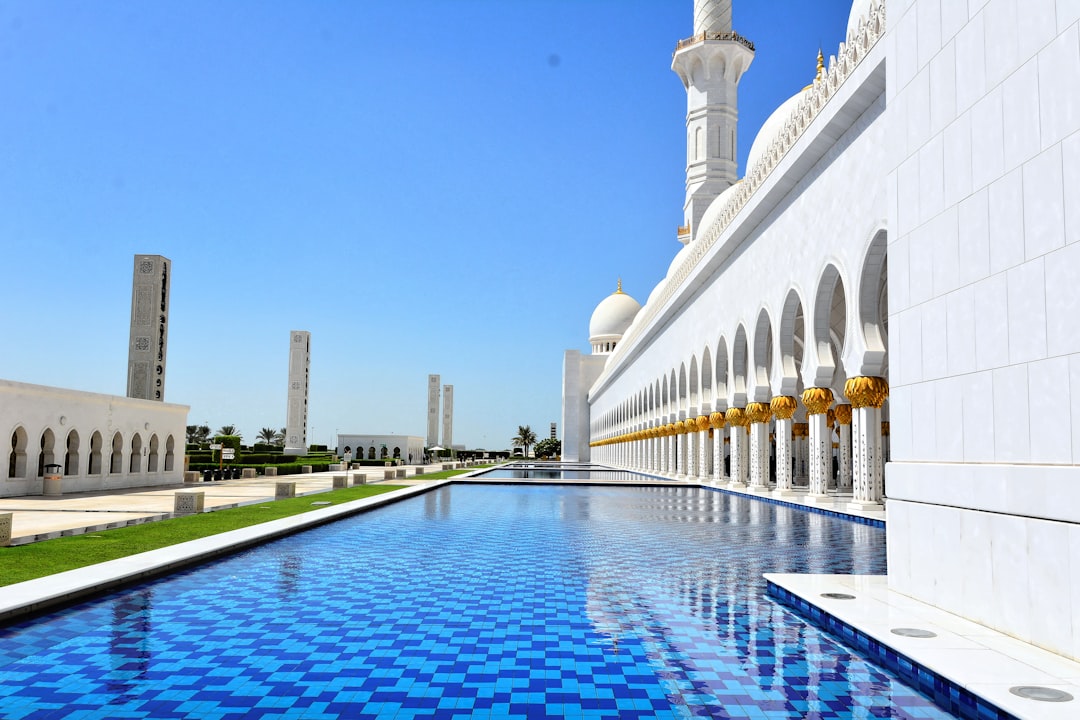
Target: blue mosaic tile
481,602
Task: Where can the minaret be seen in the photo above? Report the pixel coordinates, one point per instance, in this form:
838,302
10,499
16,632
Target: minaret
710,65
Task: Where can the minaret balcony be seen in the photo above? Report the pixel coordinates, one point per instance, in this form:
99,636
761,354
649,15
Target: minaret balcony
724,36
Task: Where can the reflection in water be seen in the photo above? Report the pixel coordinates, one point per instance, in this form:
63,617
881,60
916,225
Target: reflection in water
129,643
289,574
437,504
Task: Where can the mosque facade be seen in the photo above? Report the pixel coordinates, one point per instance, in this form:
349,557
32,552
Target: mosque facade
880,307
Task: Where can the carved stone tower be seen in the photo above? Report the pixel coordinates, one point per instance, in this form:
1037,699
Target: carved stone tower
149,337
710,65
296,414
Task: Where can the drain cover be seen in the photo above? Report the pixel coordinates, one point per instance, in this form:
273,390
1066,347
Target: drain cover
1045,694
913,632
838,596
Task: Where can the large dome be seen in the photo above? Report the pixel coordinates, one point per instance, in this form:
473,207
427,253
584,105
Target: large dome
859,9
770,129
611,318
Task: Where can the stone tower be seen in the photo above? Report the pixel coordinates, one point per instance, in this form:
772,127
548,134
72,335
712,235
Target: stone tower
149,336
448,416
710,65
432,410
299,369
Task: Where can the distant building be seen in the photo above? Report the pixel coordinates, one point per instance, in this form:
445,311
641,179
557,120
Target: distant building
409,448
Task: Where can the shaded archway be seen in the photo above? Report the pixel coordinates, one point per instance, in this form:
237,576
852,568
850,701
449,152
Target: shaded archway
17,456
93,466
739,364
761,391
152,456
71,456
792,341
116,460
47,456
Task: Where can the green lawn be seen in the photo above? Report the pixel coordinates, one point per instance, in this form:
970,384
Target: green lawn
26,562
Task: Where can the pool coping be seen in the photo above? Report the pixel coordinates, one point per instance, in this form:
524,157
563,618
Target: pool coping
966,668
46,593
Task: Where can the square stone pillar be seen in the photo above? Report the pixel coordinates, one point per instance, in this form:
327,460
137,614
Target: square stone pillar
5,529
341,481
284,489
188,502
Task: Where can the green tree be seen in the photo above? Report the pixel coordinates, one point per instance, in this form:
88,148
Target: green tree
229,430
198,434
525,438
267,435
548,447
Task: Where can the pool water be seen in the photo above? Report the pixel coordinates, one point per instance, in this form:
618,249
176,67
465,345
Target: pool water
477,601
529,472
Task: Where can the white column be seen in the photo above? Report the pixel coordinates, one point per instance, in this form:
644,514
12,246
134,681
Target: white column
705,446
759,415
843,419
867,394
783,407
800,454
680,452
739,471
691,449
817,402
718,450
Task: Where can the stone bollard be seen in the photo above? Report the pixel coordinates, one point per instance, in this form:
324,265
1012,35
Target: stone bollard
389,474
305,469
188,502
284,489
401,472
191,476
359,479
341,481
355,466
248,473
270,472
5,529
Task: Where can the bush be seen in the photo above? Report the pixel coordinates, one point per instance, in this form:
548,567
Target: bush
317,449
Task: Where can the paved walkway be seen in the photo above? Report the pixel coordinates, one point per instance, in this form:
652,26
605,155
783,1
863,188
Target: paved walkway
39,517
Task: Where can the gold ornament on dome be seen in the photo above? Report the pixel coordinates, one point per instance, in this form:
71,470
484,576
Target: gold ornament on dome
758,413
736,417
702,423
817,400
843,414
783,406
866,391
716,420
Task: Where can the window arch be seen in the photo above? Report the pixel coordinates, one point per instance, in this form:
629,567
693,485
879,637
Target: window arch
152,457
116,460
135,461
170,453
17,457
71,457
47,456
94,464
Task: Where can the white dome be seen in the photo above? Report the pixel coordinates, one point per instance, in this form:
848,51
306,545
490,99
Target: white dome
859,9
613,316
713,211
677,260
770,129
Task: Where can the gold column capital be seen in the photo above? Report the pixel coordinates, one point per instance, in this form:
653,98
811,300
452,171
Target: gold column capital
716,420
884,427
783,406
843,414
702,423
736,417
758,413
866,391
817,400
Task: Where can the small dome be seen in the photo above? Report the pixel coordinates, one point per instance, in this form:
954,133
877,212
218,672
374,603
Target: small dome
770,129
859,10
611,319
713,211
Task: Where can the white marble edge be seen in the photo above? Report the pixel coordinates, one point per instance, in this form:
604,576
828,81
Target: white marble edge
34,595
973,656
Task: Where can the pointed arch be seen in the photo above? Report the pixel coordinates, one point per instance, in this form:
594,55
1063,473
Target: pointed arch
761,388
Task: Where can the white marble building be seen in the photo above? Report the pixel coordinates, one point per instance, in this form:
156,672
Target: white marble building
407,448
893,277
99,442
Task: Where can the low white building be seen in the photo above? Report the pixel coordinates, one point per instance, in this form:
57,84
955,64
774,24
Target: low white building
409,448
98,442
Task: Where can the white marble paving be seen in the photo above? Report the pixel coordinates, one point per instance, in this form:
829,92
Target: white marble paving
973,656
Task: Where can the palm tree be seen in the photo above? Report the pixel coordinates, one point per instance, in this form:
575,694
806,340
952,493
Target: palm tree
229,430
267,435
279,439
525,438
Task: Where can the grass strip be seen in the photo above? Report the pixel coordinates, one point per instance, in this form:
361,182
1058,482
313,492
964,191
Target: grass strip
27,562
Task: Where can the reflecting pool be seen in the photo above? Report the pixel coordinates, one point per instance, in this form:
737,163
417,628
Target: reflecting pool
496,601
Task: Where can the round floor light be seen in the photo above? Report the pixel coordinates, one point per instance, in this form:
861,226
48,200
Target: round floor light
913,633
1042,694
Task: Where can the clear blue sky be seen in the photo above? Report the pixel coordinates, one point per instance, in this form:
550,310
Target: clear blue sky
431,186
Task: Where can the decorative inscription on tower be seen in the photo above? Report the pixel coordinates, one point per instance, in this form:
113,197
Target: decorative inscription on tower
296,406
432,410
148,338
448,416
